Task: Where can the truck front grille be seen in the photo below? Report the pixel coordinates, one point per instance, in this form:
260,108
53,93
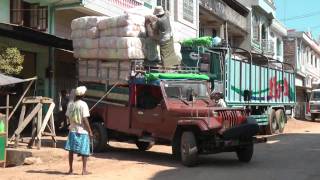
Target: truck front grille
229,118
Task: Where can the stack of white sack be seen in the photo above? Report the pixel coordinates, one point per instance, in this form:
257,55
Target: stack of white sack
122,37
116,38
128,25
85,36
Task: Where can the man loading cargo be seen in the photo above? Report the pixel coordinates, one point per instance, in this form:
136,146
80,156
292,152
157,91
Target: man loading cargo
163,28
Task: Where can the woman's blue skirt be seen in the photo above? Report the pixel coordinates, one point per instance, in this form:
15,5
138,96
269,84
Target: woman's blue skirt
78,143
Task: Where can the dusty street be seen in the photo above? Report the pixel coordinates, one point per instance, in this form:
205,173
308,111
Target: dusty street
294,155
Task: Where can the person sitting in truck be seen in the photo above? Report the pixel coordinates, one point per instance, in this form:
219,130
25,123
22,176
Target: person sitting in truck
79,130
217,97
163,29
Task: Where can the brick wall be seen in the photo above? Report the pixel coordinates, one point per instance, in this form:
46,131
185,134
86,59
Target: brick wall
289,46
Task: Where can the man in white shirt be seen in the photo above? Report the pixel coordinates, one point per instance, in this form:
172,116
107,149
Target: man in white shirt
218,99
79,130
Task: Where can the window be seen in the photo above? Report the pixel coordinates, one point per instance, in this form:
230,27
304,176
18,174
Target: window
164,3
279,49
34,16
43,18
16,12
29,15
256,28
188,10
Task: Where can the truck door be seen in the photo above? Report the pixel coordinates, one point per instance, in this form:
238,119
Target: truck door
146,110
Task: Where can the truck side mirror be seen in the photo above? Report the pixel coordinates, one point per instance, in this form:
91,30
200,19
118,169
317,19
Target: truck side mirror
247,95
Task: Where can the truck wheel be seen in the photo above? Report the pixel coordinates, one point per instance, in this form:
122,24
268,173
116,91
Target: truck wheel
281,120
189,149
99,137
176,151
143,146
272,125
245,153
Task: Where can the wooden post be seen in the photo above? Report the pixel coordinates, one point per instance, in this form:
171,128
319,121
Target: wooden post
21,98
26,121
22,114
7,118
53,131
39,123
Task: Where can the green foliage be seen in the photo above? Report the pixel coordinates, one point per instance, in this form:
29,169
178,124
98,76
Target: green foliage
10,61
202,41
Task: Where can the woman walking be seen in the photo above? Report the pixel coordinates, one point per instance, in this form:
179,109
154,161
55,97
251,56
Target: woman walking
79,130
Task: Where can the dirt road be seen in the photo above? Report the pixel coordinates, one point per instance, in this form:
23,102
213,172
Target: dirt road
294,155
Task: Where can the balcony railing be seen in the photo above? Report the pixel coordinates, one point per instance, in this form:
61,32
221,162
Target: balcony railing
267,46
126,3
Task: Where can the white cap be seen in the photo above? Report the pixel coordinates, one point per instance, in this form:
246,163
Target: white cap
158,10
80,91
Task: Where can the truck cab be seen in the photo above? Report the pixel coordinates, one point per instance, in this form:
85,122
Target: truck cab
174,109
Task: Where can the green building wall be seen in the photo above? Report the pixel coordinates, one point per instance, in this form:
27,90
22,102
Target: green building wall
5,11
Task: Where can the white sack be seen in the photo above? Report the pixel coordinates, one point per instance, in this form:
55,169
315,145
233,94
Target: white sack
120,21
86,22
85,33
121,54
127,31
121,42
86,43
86,53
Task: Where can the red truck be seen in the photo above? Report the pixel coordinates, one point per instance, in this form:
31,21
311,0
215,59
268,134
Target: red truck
171,109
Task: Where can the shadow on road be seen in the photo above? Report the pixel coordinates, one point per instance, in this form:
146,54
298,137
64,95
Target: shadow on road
284,157
144,157
51,172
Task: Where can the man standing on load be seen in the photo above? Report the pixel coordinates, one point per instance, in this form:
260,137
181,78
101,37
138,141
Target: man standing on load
163,28
79,130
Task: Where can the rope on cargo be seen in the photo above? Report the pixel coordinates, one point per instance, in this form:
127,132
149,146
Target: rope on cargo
106,94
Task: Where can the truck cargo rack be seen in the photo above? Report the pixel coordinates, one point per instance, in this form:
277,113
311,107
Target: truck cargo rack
139,66
111,72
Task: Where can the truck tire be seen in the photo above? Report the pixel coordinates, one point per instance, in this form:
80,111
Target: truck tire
245,153
99,137
272,125
281,120
176,152
189,149
143,146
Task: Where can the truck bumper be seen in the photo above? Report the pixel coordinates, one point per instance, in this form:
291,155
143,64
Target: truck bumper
243,131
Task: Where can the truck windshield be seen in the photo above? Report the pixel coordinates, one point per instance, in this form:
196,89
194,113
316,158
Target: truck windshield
180,90
315,96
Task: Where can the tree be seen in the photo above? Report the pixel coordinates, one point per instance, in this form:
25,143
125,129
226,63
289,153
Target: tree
11,61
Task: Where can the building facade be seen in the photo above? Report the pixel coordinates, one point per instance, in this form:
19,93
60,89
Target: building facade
266,33
224,18
303,53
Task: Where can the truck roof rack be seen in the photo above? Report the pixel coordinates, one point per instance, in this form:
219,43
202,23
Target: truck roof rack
139,66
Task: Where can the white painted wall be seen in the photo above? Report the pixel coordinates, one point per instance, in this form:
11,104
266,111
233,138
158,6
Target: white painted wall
63,22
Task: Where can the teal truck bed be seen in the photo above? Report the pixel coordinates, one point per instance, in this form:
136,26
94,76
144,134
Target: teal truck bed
269,84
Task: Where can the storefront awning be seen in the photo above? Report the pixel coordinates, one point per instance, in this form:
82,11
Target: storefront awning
33,36
7,80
